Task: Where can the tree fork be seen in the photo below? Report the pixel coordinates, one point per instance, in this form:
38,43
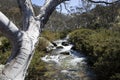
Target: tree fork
24,41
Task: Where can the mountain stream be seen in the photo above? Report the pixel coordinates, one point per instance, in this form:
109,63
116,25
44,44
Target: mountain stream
64,63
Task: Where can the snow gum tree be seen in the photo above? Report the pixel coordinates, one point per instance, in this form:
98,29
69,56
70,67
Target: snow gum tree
24,41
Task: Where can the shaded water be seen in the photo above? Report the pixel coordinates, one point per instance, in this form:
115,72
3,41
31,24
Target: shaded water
63,63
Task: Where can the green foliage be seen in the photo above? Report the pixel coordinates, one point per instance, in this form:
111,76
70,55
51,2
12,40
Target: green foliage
43,43
37,67
79,37
4,49
4,44
96,42
107,65
102,48
51,36
64,33
4,57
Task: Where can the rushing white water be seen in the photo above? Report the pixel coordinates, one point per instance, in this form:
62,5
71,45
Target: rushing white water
70,64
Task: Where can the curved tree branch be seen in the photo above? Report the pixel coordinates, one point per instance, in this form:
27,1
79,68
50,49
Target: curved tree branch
65,5
8,29
47,9
93,1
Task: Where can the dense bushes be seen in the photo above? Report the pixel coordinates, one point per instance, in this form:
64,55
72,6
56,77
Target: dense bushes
80,37
107,66
102,48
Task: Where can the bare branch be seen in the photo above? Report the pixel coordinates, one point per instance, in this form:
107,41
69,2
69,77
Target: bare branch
47,9
7,28
104,2
28,12
66,7
60,8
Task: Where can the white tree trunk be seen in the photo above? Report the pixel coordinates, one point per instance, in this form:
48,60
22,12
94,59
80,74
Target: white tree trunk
24,41
23,48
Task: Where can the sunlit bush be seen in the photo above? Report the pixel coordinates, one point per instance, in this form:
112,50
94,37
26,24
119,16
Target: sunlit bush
43,43
79,37
51,36
102,48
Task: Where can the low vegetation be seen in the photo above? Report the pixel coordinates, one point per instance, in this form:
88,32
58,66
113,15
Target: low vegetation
103,50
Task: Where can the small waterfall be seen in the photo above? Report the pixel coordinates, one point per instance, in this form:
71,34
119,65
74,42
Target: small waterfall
65,63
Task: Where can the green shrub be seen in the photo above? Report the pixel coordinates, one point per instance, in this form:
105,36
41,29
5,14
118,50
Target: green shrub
79,37
64,33
4,57
37,67
102,48
43,43
4,49
4,45
107,66
51,36
95,43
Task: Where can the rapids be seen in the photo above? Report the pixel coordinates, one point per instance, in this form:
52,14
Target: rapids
64,63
